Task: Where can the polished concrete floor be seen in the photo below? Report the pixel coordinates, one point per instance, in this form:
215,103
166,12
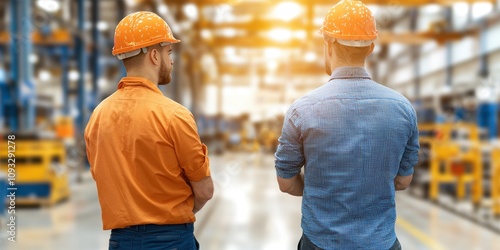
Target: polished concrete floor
248,212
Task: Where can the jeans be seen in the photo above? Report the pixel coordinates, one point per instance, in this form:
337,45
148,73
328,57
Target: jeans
146,237
306,244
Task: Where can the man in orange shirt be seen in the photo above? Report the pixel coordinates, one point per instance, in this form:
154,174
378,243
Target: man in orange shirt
151,170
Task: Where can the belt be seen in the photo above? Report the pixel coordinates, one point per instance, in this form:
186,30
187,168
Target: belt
156,226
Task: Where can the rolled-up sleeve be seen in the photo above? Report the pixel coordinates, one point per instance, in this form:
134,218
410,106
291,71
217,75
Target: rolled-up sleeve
290,154
191,153
410,156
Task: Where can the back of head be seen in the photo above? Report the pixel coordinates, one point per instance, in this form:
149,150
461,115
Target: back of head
351,23
349,55
137,32
350,28
138,61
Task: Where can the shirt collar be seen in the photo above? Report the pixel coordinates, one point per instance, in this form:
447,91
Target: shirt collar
349,72
138,81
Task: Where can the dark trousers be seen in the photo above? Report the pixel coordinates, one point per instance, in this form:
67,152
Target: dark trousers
306,244
145,237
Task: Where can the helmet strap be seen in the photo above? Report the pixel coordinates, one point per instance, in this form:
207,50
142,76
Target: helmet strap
138,51
132,53
355,43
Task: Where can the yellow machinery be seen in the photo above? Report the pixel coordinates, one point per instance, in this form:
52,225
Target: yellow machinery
248,138
41,178
268,139
248,142
495,181
454,161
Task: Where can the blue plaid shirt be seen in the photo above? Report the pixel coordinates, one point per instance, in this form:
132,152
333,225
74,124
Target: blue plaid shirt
353,136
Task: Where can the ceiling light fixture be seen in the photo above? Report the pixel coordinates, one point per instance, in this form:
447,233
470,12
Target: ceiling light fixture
287,11
50,6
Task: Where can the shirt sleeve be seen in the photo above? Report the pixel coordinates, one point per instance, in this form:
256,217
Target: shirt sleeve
290,154
191,153
410,156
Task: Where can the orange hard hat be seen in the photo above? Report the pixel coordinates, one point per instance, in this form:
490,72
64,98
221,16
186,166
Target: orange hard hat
138,31
351,23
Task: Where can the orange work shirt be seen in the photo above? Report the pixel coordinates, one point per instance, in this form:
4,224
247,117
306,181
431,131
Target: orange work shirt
143,149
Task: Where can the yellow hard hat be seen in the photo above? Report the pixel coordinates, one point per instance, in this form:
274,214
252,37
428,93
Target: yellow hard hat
351,23
139,30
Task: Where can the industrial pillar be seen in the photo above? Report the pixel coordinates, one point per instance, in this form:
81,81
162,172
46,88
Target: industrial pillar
483,54
80,52
459,111
415,49
21,108
65,79
25,83
95,54
13,89
449,49
3,87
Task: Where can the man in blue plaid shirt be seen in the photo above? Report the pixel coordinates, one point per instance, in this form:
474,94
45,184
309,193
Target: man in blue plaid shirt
356,139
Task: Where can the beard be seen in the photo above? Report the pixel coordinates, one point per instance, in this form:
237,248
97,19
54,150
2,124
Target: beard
164,76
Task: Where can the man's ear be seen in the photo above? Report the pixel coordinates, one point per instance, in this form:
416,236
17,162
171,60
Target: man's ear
154,56
372,46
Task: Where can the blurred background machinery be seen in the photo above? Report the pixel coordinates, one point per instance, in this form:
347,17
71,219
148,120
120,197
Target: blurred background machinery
239,67
41,177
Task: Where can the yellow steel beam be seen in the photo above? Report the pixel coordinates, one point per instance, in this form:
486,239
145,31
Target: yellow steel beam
258,25
416,3
405,3
57,37
410,38
248,41
296,67
418,38
233,70
407,38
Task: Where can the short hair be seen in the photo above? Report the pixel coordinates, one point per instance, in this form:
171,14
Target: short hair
137,60
349,54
